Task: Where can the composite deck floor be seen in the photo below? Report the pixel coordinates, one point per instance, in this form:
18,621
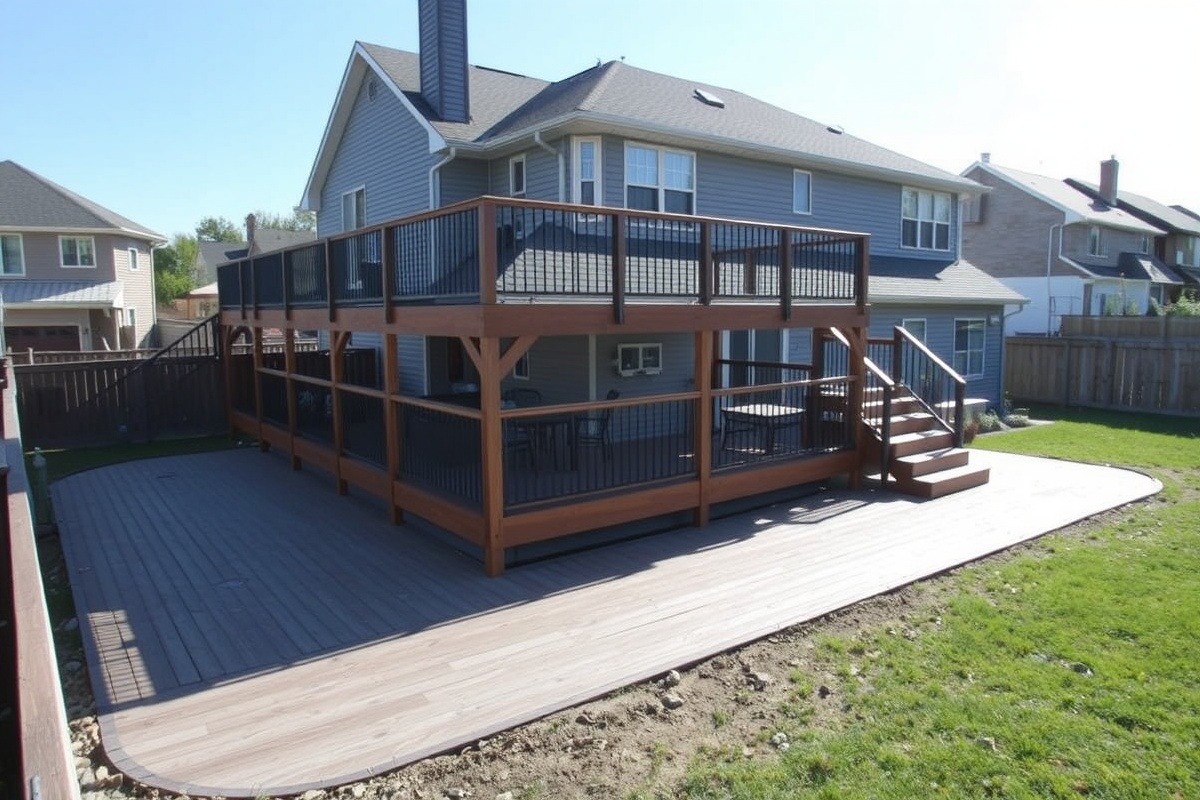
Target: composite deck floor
249,631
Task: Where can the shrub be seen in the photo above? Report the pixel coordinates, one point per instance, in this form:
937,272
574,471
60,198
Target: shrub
1188,305
1016,420
989,422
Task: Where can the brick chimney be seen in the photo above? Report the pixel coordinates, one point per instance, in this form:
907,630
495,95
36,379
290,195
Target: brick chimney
251,226
986,158
443,46
1108,181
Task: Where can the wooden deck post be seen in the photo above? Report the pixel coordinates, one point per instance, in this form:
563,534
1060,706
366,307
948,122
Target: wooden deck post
858,370
618,266
228,333
491,455
263,444
703,372
488,256
785,272
389,272
706,263
329,299
289,366
391,386
336,372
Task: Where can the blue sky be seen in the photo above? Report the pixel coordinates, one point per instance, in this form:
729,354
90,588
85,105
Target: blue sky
170,111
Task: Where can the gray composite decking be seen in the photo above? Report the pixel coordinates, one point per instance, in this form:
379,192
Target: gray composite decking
248,631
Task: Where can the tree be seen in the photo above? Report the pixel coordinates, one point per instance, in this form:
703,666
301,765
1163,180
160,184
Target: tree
218,229
173,265
298,220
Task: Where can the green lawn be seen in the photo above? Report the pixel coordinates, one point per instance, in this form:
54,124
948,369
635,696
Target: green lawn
61,463
1071,669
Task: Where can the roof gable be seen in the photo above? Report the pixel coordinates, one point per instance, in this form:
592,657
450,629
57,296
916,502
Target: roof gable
29,201
1152,211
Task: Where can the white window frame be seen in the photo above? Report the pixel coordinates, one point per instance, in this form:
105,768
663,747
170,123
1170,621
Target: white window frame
133,258
932,220
131,317
512,166
1145,243
908,321
61,255
1098,249
1191,246
966,373
597,179
361,223
520,370
807,211
4,270
637,364
660,187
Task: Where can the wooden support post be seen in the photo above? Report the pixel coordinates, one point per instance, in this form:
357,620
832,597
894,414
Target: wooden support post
336,372
488,257
862,270
706,263
703,370
329,300
263,444
492,456
816,400
391,387
241,265
618,266
389,272
285,264
750,274
289,366
858,351
785,272
228,333
254,288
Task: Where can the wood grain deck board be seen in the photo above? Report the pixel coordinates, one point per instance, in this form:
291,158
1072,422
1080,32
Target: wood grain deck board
408,650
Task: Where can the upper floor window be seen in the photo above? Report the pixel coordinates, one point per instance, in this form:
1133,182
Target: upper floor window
1094,243
969,336
925,220
658,179
801,191
131,317
586,190
354,209
916,327
1188,254
77,251
516,176
1145,243
12,254
133,258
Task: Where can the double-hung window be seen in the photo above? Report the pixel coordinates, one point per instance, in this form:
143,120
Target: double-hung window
969,336
1095,244
586,191
12,254
658,179
77,251
133,258
801,191
916,327
925,220
1188,254
516,176
354,209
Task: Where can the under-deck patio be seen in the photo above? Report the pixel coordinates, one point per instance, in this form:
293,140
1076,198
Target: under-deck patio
248,632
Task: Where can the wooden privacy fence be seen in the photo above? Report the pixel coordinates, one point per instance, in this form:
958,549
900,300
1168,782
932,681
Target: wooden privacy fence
1133,327
1134,375
66,405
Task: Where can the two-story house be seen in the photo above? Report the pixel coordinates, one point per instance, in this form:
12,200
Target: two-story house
73,274
210,254
617,296
1069,251
1178,249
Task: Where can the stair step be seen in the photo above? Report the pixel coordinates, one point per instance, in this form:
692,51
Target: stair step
940,484
907,444
909,467
911,421
900,405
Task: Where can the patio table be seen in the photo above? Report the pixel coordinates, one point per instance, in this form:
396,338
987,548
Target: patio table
769,417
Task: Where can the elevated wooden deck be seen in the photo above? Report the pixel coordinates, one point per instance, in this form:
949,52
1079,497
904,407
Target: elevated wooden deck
271,641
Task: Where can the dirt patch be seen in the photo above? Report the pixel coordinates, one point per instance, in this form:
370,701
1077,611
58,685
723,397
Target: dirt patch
638,740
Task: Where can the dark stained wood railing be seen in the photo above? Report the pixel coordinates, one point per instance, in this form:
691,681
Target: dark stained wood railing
33,729
913,366
476,251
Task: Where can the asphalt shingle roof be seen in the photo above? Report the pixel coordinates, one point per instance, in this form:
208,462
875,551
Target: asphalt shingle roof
27,200
1073,200
1174,218
1146,267
504,104
267,240
214,253
911,279
89,293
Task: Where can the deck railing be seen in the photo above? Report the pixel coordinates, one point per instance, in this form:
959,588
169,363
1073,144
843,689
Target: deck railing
491,248
913,366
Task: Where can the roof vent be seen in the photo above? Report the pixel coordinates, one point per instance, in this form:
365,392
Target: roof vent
709,99
838,129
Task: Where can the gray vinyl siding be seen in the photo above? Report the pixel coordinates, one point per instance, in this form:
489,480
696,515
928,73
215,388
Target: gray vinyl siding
410,352
443,45
137,284
463,179
384,149
678,357
558,369
541,175
939,336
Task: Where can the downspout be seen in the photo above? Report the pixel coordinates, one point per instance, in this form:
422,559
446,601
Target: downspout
562,165
1049,264
435,189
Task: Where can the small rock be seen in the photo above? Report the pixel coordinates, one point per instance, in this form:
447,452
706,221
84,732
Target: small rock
505,796
585,719
672,678
358,790
824,691
672,701
718,663
758,680
101,774
1082,669
747,751
312,794
987,743
795,662
456,793
579,741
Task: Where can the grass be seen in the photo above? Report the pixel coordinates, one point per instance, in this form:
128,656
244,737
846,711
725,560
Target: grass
1067,670
61,463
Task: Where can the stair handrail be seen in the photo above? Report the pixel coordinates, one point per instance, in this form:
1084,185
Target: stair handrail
903,337
885,425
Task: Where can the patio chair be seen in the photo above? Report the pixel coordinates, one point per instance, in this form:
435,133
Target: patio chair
522,398
591,429
519,439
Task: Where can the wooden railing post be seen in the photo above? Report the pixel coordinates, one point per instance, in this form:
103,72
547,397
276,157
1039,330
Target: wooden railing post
336,373
706,263
862,269
702,447
329,296
488,252
289,366
619,226
785,272
897,370
491,455
263,444
388,251
286,266
855,407
241,284
391,386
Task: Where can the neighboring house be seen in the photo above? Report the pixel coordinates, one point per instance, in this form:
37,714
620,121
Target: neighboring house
74,275
1070,252
1180,248
210,255
626,269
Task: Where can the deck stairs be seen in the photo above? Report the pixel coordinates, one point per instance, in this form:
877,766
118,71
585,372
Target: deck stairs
922,458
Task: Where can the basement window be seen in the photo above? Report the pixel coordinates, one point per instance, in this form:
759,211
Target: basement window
639,359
